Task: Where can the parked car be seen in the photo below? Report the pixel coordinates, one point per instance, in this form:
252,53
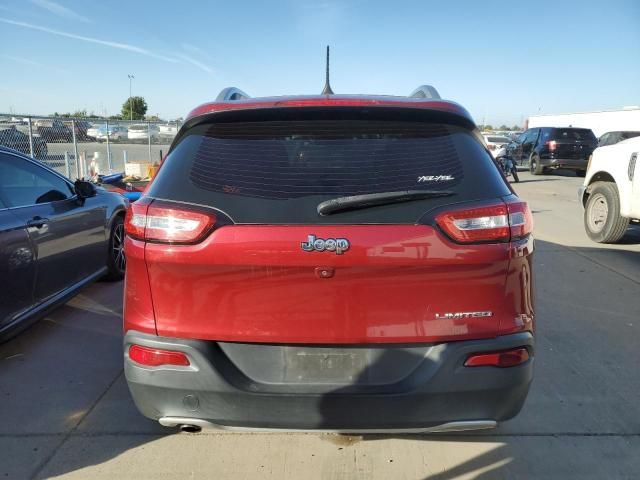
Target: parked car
11,137
53,130
94,129
495,143
545,148
142,131
115,133
610,193
81,127
329,262
167,132
55,238
611,138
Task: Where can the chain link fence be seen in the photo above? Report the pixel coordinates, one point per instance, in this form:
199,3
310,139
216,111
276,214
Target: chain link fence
81,147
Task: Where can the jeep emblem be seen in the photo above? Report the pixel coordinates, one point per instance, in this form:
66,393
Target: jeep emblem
314,244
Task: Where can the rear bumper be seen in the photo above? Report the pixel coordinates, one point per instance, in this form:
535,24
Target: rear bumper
436,391
573,163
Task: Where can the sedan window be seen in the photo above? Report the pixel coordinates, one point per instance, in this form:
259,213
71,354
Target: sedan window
24,183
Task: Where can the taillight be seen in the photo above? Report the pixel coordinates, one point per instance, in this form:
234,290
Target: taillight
154,357
482,224
166,222
491,147
506,358
493,223
133,223
552,144
520,219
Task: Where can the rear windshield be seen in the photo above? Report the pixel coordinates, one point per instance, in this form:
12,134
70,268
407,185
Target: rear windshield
278,172
575,134
498,140
138,127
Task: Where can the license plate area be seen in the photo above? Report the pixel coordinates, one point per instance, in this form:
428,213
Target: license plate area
319,369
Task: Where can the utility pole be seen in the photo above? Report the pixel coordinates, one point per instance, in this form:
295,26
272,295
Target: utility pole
131,77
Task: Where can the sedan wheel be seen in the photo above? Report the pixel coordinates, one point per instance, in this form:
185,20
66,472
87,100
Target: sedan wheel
116,261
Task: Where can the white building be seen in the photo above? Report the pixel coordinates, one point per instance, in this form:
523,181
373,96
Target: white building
600,122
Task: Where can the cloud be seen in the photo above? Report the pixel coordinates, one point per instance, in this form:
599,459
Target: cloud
60,10
196,63
24,61
187,47
106,43
31,63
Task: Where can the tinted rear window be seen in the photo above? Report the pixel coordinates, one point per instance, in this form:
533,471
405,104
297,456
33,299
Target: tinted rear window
498,140
575,134
278,172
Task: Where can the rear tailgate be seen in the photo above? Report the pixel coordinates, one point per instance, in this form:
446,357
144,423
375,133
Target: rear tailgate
574,143
266,274
394,284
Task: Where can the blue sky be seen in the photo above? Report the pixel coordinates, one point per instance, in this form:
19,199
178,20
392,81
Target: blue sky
501,60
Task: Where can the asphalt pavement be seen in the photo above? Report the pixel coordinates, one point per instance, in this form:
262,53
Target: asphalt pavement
66,413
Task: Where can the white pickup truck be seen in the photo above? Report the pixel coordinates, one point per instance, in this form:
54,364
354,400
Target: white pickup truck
610,193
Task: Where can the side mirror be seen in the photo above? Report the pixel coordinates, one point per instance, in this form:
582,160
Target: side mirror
84,189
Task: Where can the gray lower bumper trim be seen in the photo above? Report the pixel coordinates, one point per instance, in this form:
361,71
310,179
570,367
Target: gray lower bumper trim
445,427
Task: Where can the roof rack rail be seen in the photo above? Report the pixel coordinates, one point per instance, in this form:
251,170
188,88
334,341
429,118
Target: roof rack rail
231,93
425,91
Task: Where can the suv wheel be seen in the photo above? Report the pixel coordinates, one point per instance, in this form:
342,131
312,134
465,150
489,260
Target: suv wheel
534,165
116,261
602,219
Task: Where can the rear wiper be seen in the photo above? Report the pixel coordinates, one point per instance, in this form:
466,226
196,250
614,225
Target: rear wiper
355,202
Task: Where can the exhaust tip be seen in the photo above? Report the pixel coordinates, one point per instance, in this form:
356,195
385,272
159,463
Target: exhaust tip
186,428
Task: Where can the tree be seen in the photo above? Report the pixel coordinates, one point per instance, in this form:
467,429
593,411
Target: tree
137,105
503,127
516,128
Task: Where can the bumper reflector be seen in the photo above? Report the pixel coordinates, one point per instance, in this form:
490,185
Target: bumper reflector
153,357
507,358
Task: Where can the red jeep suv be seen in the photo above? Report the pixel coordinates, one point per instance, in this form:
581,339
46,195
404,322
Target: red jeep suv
332,262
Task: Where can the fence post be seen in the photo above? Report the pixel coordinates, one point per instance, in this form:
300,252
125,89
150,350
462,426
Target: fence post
85,168
73,136
124,157
149,138
66,164
108,146
31,139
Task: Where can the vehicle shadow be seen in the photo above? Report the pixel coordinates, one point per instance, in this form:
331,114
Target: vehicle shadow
632,235
537,179
552,175
62,390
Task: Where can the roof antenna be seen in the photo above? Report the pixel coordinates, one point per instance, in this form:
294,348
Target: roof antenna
327,88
